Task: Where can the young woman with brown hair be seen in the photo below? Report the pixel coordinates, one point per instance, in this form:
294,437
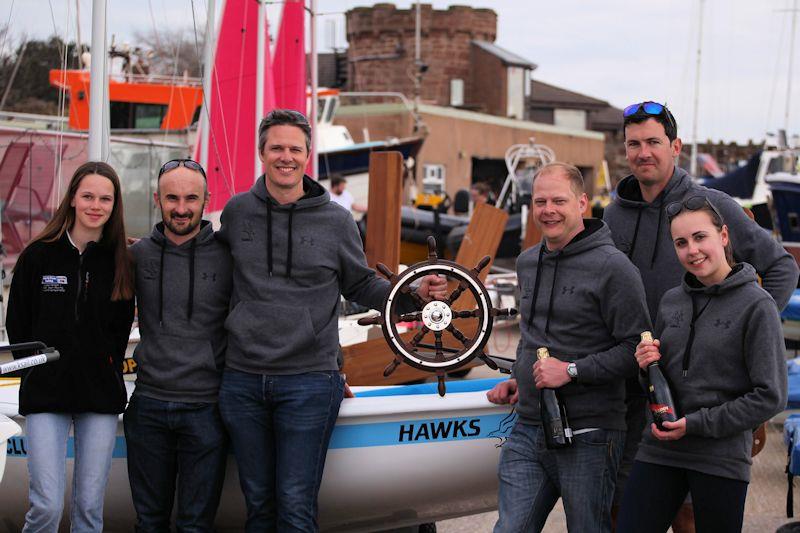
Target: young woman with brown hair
73,289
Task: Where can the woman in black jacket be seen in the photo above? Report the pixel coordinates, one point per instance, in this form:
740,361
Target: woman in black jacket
73,289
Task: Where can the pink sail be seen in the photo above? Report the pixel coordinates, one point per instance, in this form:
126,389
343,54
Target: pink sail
232,103
289,67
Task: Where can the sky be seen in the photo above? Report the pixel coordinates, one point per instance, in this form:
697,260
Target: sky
619,51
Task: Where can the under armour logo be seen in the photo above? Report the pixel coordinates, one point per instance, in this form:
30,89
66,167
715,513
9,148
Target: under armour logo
677,319
565,290
720,323
150,269
209,276
307,240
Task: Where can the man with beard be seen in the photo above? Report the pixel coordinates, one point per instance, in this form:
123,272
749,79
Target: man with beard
172,425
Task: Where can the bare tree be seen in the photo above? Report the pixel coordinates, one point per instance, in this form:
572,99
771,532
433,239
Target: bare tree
173,52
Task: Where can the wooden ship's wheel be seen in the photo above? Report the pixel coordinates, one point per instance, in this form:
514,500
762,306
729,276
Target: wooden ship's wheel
441,344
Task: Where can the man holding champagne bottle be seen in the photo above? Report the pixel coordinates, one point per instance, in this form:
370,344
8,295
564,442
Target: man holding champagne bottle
583,305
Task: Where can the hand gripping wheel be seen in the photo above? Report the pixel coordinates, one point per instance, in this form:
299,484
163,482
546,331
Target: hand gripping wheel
451,347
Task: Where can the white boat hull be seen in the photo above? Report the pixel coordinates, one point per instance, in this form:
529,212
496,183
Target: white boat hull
393,461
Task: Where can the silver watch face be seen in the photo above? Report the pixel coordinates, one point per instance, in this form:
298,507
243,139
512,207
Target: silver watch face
572,370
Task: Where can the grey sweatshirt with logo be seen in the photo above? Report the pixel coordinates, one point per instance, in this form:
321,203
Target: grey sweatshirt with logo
182,293
291,263
641,231
586,304
731,379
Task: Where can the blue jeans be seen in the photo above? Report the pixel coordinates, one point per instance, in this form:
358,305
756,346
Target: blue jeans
46,439
532,478
169,440
280,427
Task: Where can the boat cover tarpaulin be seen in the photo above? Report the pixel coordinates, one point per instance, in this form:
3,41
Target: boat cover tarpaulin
793,368
740,183
792,311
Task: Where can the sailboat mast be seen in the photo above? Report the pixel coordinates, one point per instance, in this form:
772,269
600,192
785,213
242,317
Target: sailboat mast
208,69
693,162
98,91
314,87
791,64
261,40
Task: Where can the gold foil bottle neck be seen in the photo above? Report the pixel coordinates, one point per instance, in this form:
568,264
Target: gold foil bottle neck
542,354
647,336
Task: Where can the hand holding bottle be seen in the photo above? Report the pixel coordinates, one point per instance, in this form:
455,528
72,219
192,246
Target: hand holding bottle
550,373
647,352
672,430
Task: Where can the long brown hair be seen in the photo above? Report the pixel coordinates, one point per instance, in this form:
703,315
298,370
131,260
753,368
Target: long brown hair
113,229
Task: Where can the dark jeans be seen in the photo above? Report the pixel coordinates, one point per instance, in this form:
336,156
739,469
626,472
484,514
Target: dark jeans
169,440
280,427
654,494
532,478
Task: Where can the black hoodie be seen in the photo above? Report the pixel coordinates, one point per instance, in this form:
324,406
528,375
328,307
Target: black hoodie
585,303
63,298
641,231
183,293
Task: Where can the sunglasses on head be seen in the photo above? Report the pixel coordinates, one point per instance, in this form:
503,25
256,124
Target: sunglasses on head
188,163
649,108
693,203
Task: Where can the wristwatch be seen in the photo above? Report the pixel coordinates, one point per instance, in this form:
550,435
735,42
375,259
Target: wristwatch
572,371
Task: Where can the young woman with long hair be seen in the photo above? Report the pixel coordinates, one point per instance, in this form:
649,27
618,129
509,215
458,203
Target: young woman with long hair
720,344
73,289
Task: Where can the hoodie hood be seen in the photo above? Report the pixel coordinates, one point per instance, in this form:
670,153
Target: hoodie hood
205,236
629,194
315,196
594,235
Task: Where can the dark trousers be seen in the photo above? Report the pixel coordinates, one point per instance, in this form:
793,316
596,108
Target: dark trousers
654,493
175,444
280,427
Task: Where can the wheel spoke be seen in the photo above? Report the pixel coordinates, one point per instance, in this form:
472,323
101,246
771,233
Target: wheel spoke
418,301
458,335
410,317
418,337
475,313
438,343
462,286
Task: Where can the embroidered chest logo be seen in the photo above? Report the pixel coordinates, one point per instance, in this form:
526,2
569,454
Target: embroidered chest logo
209,276
150,269
676,319
307,240
725,324
567,290
51,283
247,232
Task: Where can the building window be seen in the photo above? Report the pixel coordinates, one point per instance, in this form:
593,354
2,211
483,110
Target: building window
574,119
456,92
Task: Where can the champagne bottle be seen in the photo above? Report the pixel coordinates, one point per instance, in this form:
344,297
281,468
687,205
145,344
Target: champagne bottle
557,433
662,403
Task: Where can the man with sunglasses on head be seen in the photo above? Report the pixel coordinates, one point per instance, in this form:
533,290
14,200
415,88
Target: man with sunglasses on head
173,428
640,228
295,253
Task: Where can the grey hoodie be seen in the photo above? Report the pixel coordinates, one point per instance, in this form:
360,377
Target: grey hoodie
731,379
291,263
586,304
182,293
641,231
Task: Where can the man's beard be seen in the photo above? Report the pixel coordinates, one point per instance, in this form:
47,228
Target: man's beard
185,230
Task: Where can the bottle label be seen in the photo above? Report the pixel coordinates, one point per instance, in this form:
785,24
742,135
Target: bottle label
661,409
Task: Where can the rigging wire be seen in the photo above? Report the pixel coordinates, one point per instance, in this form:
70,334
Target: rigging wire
778,57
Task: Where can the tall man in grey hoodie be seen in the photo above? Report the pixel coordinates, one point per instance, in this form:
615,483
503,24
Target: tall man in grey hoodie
172,425
294,254
640,229
584,301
